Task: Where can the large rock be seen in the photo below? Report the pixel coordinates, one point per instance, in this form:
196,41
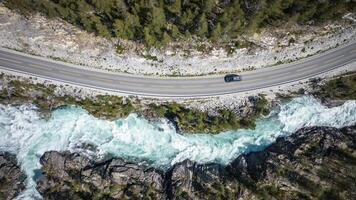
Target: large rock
313,163
11,177
189,180
74,176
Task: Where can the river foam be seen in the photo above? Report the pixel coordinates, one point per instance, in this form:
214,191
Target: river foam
27,135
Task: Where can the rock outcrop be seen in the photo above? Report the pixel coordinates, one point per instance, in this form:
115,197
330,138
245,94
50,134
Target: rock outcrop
11,177
73,176
313,163
189,180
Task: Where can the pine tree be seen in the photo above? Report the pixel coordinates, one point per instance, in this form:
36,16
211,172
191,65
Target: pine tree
174,31
158,20
86,22
208,5
187,18
119,29
216,32
102,30
175,7
99,27
147,20
132,25
165,38
202,26
149,39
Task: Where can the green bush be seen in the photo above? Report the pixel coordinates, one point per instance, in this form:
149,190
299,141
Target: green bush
342,88
193,120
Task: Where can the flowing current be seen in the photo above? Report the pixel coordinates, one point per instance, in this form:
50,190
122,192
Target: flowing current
24,133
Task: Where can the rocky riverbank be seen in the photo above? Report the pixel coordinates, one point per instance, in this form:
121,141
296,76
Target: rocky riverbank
11,177
336,91
313,163
48,97
208,115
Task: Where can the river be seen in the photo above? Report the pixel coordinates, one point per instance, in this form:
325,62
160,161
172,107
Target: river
24,133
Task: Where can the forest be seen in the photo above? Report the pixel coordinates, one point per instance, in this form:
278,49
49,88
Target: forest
158,22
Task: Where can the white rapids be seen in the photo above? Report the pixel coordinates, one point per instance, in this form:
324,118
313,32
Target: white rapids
24,133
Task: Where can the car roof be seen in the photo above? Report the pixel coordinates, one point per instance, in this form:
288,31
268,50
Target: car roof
232,75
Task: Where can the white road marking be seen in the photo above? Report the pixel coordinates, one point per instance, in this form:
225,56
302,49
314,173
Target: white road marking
133,84
10,60
309,67
280,75
335,60
69,73
102,79
39,67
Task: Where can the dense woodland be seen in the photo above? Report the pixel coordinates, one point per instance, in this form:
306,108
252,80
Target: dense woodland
157,22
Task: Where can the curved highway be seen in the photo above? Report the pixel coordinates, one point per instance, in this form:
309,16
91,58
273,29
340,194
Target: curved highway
177,87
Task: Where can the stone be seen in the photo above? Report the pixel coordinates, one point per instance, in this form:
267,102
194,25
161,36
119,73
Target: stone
11,177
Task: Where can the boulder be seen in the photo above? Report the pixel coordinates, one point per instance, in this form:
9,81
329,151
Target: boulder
11,177
72,175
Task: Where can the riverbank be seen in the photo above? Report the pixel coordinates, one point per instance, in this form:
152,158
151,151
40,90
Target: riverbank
212,115
312,163
48,97
156,144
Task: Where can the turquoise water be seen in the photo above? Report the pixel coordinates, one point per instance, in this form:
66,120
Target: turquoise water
26,134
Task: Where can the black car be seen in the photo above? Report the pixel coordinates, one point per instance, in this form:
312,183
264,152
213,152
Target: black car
232,77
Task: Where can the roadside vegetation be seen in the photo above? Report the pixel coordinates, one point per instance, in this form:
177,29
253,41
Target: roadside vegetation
184,119
44,96
198,121
340,88
113,107
158,22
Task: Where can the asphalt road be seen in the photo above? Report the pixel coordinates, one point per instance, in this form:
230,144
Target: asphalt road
177,87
